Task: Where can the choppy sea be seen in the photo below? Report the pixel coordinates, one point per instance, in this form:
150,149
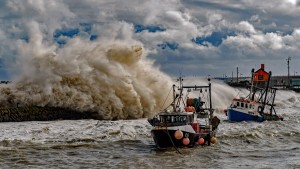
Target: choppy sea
128,144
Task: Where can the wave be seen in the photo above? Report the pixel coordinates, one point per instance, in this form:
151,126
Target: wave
113,78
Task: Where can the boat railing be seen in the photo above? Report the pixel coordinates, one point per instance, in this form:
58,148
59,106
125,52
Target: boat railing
166,124
171,120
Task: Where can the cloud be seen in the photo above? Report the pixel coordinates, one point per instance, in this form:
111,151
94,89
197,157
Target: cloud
246,27
256,32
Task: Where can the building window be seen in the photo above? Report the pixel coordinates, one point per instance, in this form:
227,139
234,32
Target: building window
260,77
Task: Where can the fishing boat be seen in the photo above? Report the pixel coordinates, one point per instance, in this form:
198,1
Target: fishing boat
189,122
257,106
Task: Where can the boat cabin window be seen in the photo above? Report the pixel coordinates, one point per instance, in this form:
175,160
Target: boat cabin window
182,119
173,119
242,104
168,119
238,104
233,104
162,119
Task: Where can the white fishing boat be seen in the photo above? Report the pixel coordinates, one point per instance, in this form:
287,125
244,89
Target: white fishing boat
190,121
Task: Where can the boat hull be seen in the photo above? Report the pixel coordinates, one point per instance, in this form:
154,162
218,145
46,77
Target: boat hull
165,138
238,116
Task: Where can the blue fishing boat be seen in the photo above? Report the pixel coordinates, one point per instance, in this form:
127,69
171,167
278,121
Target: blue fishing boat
257,106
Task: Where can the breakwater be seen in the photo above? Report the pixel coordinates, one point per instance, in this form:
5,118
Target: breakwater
36,113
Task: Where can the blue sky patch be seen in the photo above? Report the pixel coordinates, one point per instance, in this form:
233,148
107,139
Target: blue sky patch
139,28
73,32
68,32
216,38
168,45
61,42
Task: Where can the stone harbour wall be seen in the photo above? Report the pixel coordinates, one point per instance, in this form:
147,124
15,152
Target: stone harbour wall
36,113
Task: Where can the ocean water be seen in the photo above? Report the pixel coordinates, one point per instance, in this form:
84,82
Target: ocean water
128,144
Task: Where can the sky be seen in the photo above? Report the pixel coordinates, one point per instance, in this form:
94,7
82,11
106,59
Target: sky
182,38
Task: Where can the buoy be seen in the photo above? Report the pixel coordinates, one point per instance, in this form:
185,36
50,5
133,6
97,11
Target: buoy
201,141
186,141
178,134
213,140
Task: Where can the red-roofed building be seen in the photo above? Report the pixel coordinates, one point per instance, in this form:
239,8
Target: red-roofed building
260,76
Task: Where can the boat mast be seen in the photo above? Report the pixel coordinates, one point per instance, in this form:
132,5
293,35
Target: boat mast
210,103
252,93
288,63
272,106
180,94
174,98
266,92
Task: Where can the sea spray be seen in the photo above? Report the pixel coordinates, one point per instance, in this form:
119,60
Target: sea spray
113,78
